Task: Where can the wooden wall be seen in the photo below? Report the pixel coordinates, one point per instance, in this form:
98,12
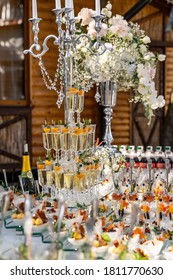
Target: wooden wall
44,101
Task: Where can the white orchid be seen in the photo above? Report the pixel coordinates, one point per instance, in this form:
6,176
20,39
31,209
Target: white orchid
157,102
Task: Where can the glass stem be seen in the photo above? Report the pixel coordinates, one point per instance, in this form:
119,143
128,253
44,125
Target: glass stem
57,156
78,117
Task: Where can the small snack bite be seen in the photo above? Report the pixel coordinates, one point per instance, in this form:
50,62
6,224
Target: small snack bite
78,235
101,240
78,231
18,213
39,218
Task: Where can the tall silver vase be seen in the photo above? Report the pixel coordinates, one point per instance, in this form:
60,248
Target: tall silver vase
108,101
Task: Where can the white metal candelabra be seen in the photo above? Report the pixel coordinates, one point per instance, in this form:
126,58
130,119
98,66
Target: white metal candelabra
66,42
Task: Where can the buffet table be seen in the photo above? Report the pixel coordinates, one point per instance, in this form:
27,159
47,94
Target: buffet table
126,227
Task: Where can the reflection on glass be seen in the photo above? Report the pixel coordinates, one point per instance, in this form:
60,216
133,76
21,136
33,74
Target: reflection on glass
58,180
47,141
11,50
56,144
49,178
68,180
42,178
80,104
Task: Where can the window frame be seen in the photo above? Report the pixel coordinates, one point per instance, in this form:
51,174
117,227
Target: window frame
26,87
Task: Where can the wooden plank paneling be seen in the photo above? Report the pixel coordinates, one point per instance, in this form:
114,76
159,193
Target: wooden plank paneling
169,75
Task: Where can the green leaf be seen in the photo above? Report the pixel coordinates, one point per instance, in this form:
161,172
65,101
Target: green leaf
105,237
81,206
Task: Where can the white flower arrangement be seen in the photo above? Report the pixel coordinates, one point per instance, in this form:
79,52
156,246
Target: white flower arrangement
127,61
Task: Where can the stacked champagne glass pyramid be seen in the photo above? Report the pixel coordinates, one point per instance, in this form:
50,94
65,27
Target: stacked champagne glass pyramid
72,167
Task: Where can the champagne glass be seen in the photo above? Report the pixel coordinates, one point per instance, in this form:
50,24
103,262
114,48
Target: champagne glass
58,175
91,135
41,176
71,98
83,143
80,104
56,135
47,141
74,139
65,141
69,171
80,186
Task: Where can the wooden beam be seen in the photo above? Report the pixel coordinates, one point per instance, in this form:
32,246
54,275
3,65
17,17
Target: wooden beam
152,131
10,122
10,155
161,44
140,132
163,6
136,8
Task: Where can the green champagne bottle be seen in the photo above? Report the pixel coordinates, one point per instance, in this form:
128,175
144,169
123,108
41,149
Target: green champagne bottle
26,174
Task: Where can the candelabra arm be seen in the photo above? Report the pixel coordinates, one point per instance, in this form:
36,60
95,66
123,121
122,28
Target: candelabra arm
35,30
44,46
91,47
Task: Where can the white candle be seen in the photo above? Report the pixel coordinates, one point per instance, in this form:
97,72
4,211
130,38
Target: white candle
72,12
68,3
34,9
57,4
97,7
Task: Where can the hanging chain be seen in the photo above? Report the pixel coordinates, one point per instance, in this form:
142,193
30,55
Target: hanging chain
50,84
96,77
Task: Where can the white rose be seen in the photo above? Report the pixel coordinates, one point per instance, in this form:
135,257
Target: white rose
119,17
109,6
84,50
78,46
129,36
86,16
161,57
104,11
147,57
108,46
143,49
134,46
146,40
109,14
